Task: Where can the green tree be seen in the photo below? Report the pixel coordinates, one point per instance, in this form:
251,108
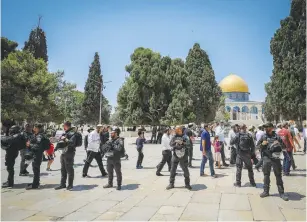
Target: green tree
286,92
203,88
92,89
37,43
7,46
27,89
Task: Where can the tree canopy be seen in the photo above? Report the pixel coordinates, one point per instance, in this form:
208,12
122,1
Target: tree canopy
162,90
7,46
286,92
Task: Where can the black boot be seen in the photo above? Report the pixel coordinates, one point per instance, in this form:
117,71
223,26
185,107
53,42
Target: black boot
7,185
236,184
62,186
265,192
187,183
253,184
108,186
284,196
70,184
170,186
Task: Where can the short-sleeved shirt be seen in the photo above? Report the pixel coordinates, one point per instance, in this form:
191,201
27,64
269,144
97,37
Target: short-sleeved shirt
50,151
285,135
205,136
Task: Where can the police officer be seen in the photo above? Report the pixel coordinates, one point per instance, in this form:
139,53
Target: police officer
93,152
189,134
180,156
271,146
114,149
28,136
12,143
38,144
245,149
233,149
67,157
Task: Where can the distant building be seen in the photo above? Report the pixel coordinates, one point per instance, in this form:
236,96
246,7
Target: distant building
237,100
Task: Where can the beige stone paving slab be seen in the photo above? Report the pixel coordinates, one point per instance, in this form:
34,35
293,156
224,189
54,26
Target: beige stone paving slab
117,195
248,190
291,204
179,199
265,209
40,217
139,213
226,189
80,216
206,198
234,202
200,212
165,217
16,215
235,215
109,216
294,214
43,204
64,208
127,204
168,213
154,200
98,206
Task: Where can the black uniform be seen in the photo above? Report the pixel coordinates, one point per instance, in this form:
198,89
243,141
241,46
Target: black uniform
189,133
37,146
23,166
269,162
245,149
154,135
67,160
13,142
113,152
179,146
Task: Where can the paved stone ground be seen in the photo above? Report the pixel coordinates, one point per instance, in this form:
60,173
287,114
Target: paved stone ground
144,197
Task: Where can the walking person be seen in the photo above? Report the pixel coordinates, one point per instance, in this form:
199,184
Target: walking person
271,145
217,151
93,151
305,137
154,135
286,137
139,147
246,148
259,134
166,152
233,148
86,144
205,147
219,131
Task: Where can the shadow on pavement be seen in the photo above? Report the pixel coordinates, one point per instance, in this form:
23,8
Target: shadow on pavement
297,175
130,187
149,168
292,196
84,187
197,187
218,175
24,185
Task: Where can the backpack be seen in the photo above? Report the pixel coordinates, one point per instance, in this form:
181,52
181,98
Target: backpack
245,141
45,143
78,139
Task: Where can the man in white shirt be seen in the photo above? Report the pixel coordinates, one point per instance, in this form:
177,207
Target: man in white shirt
166,152
219,131
93,151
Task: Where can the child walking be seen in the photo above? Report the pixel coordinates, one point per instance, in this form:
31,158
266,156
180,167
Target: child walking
139,147
50,156
217,151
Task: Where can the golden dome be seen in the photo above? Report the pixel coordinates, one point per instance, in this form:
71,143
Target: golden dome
233,83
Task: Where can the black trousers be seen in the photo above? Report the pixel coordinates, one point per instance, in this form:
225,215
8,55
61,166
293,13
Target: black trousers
223,154
114,164
277,169
159,138
90,156
140,157
183,162
233,155
23,165
244,157
190,154
153,138
305,144
10,158
292,161
67,167
166,158
36,167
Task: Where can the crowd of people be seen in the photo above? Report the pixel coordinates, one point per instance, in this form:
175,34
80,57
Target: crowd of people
177,149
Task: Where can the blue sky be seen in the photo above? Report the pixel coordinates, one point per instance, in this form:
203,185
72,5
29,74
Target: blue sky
235,33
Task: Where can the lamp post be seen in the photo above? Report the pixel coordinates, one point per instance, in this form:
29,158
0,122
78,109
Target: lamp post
100,102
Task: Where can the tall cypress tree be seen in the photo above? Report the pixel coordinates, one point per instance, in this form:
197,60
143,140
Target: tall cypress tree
37,44
286,92
92,89
203,88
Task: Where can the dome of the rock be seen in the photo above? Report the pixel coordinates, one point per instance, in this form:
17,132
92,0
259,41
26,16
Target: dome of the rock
233,83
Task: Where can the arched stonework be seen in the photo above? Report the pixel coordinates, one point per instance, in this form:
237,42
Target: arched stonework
245,109
227,108
254,110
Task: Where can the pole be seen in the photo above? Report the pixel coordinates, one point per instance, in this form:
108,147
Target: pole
100,105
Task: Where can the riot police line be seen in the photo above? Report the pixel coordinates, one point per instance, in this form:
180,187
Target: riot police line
271,145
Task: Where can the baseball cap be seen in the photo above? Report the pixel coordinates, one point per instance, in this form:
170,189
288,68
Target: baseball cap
268,125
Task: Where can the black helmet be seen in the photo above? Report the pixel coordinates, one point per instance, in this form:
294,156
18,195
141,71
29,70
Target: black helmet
14,130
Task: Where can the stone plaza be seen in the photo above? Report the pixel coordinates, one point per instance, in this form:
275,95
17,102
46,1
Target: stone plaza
143,196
